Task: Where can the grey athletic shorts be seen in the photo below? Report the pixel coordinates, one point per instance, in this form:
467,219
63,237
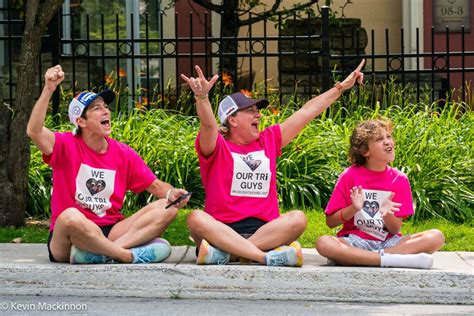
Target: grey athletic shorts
371,245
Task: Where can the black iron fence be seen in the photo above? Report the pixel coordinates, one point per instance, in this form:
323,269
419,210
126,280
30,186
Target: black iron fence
143,62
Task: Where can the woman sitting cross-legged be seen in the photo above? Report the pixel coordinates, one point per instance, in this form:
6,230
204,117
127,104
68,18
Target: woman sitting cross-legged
238,168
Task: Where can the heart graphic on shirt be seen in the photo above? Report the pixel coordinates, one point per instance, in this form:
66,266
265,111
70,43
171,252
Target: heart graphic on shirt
371,208
95,186
253,164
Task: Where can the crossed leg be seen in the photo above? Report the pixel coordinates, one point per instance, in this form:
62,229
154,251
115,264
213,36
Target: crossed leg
338,250
73,228
283,230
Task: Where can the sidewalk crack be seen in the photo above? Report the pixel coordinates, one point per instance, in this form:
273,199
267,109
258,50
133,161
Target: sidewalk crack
460,257
183,256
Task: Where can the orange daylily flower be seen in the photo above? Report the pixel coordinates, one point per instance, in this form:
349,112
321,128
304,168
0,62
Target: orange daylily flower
274,110
145,101
226,79
109,80
122,73
246,92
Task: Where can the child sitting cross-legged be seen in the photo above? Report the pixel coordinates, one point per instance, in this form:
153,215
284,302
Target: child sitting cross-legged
370,201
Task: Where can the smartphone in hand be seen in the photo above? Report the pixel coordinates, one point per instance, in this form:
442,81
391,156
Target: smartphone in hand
182,197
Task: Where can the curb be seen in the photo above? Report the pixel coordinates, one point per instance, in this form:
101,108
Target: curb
179,278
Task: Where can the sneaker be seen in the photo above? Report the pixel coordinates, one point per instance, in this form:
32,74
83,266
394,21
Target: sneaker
156,250
211,255
299,253
79,256
290,256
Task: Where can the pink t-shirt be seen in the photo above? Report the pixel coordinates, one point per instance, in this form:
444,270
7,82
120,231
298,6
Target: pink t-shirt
368,222
94,183
240,180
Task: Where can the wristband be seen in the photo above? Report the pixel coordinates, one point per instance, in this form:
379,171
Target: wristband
338,86
342,218
201,96
168,193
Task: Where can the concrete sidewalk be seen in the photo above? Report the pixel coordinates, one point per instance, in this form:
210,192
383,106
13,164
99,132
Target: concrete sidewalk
26,270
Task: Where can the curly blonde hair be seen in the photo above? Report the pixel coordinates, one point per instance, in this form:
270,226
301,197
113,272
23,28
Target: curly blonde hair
362,134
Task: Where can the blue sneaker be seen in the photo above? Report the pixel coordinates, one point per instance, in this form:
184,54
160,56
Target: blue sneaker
211,255
290,256
156,250
79,256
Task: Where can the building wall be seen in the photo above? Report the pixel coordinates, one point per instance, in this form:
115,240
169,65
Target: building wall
455,44
375,15
380,18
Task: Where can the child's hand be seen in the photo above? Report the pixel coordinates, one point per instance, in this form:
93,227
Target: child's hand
357,197
388,206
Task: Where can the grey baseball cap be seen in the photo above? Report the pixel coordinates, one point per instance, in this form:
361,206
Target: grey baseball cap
237,101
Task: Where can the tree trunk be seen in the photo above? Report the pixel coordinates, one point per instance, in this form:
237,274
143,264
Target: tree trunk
15,152
7,196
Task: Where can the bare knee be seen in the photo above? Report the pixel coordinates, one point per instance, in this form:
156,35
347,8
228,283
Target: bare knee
171,214
324,245
70,218
195,221
298,221
436,238
162,214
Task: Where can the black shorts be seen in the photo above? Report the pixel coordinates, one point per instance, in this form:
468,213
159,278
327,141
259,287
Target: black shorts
105,230
247,226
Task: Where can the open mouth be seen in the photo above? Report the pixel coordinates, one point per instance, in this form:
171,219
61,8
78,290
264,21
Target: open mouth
105,122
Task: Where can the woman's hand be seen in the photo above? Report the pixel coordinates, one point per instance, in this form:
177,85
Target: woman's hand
355,76
200,86
175,194
53,77
209,129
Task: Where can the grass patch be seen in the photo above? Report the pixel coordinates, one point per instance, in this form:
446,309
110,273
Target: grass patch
178,233
28,234
458,237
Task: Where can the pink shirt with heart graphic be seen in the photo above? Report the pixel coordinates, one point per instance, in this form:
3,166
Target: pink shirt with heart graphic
94,183
240,180
368,222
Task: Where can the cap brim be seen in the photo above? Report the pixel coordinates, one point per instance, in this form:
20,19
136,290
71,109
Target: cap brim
108,96
261,104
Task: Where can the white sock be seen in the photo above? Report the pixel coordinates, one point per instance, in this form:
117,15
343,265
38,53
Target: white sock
416,261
